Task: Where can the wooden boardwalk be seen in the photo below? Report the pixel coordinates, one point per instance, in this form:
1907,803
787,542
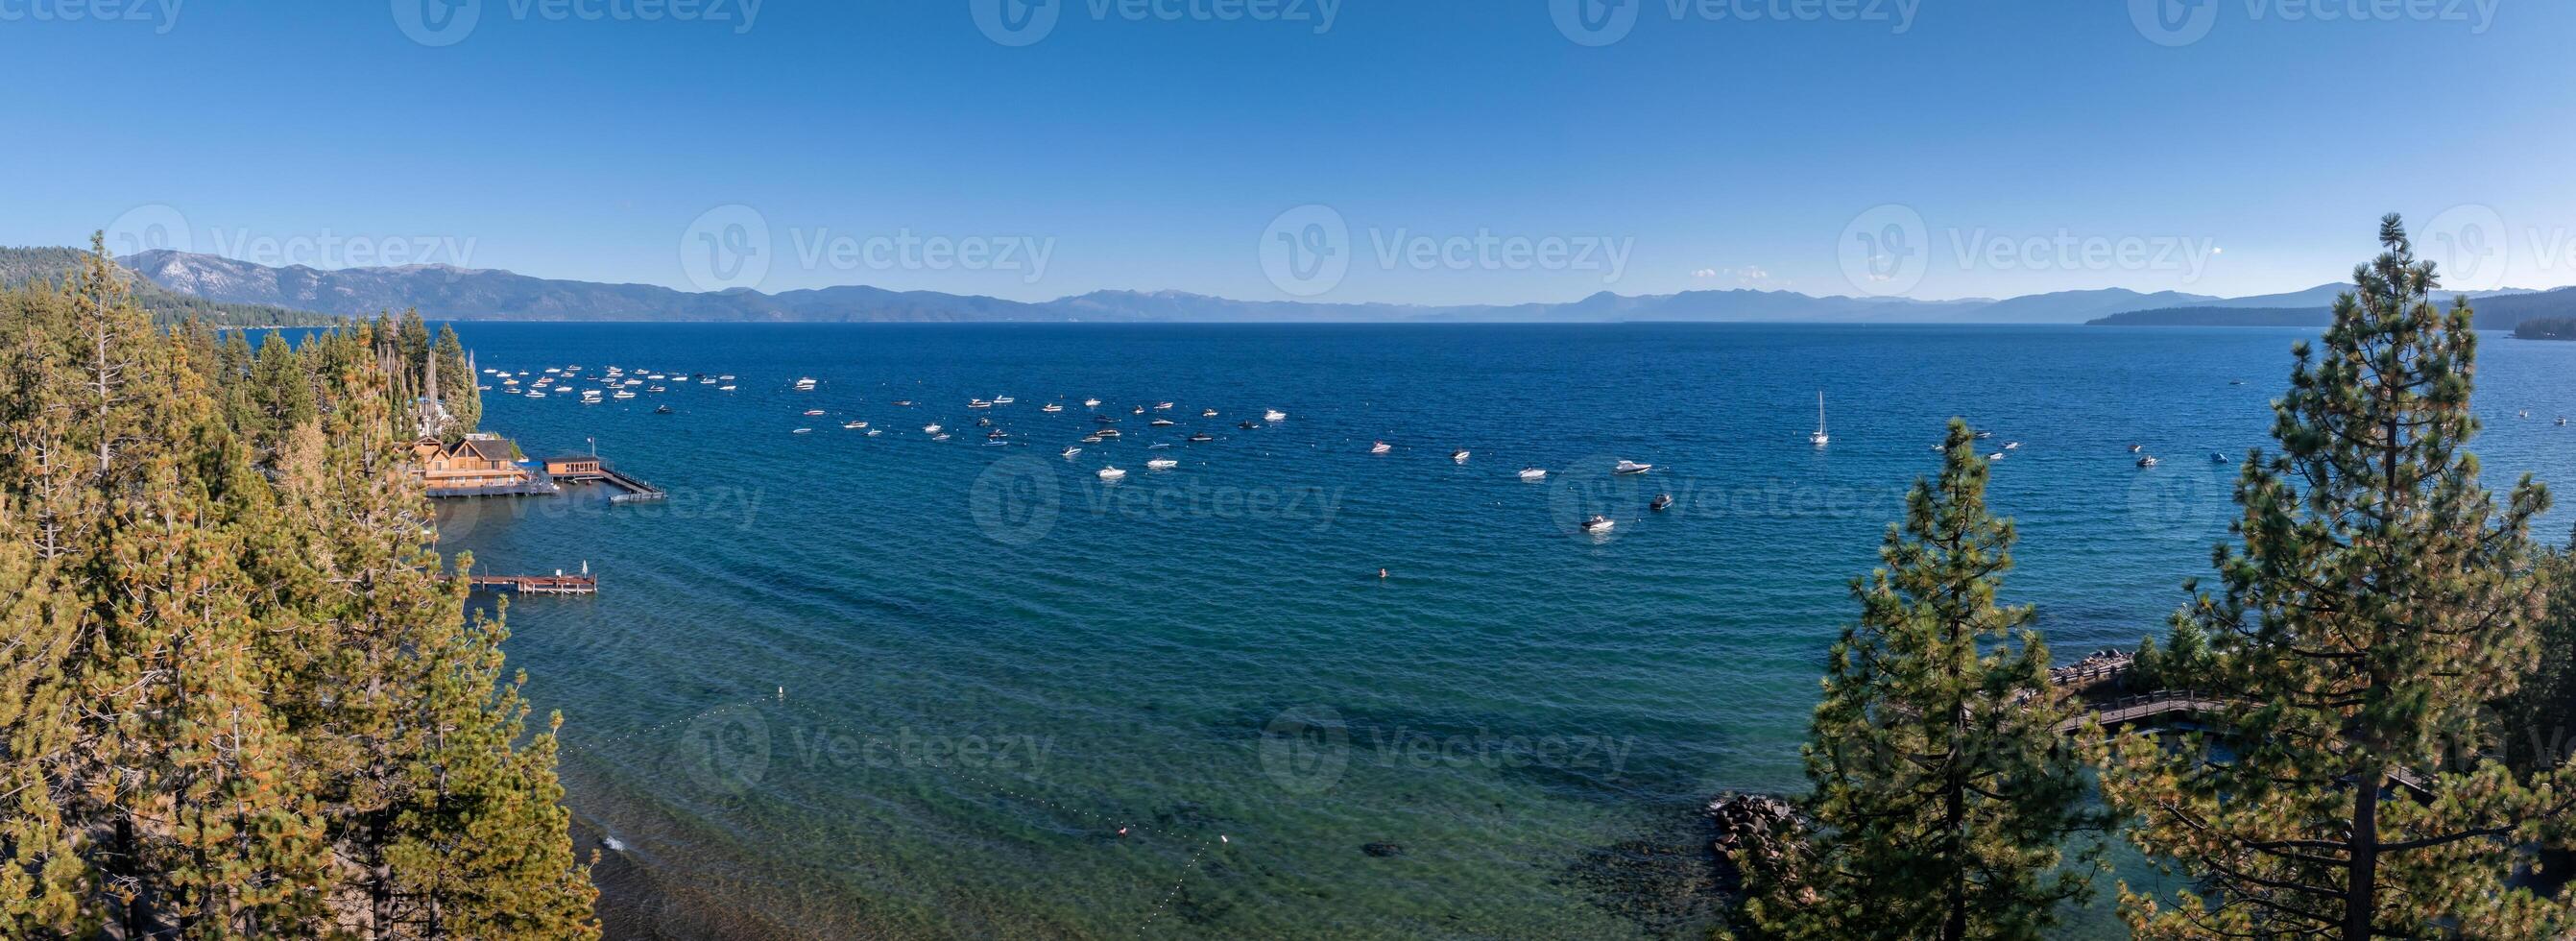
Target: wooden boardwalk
555,584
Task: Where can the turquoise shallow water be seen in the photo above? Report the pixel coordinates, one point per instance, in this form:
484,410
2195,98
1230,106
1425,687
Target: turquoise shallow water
848,686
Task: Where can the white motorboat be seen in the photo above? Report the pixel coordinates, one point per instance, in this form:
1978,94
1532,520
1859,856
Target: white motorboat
1162,463
1069,452
932,428
1274,415
1459,455
2148,461
938,437
1051,407
978,403
1533,473
854,425
1162,406
1599,524
1380,448
805,385
623,394
1631,467
1091,403
724,388
1207,413
802,431
1111,473
813,411
1003,400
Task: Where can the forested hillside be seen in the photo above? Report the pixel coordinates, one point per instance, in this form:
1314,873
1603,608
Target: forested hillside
240,695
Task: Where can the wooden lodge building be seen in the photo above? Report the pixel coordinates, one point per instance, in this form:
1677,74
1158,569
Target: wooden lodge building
478,464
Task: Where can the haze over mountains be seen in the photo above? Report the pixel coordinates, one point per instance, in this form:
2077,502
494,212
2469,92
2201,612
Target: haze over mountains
448,292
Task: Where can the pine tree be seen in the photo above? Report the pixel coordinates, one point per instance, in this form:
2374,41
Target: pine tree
1944,795
2378,598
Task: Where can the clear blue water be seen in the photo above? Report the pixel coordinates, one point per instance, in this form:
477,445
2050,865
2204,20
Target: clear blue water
847,686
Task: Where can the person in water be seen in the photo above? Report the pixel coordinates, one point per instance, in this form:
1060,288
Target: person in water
1381,573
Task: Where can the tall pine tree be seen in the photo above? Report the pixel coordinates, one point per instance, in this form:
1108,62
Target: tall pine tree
2379,597
1943,793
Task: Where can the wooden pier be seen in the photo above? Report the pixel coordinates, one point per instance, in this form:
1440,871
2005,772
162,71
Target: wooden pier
585,469
555,584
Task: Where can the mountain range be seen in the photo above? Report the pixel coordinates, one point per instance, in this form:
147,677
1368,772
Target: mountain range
448,292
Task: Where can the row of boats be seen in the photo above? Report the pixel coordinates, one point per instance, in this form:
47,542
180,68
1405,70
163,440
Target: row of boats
613,383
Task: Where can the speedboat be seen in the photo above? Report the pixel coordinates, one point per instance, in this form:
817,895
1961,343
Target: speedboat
1380,448
854,425
802,431
1091,403
1207,413
590,396
1274,415
996,435
1140,410
1982,435
1162,463
1459,455
1162,406
1662,502
662,410
978,403
1997,456
623,394
873,432
536,393
1598,524
2135,448
804,385
1003,400
983,423
1105,433
2217,457
1533,473
813,411
1631,467
1202,436
932,428
724,388
2148,461
1111,473
707,381
2012,445
2562,421
907,403
1161,423
1051,407
938,437
1092,439
1069,452
655,389
553,369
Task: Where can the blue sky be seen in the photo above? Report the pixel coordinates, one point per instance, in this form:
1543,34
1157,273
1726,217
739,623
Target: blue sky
1461,151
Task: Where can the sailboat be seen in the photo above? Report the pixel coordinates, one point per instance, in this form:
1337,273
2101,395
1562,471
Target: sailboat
1819,438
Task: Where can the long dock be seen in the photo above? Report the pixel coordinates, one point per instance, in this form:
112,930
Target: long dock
555,584
635,489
